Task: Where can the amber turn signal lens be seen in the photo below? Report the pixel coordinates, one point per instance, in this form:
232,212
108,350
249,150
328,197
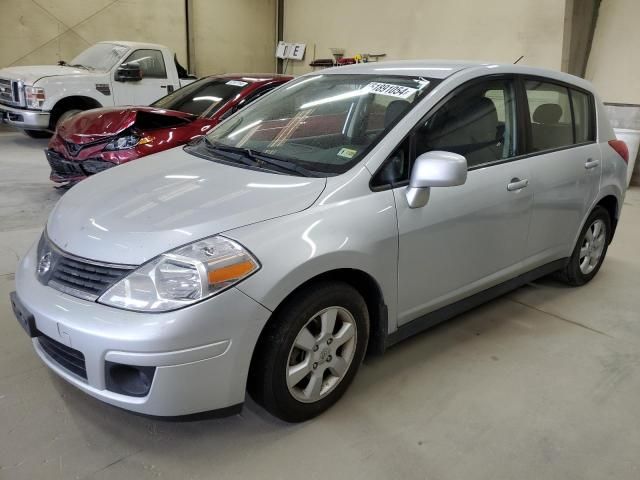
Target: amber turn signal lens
231,272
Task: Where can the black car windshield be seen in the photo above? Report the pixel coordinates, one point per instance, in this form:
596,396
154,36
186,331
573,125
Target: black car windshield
322,123
101,56
202,97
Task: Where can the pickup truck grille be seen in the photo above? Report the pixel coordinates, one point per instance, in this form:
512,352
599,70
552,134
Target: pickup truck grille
10,92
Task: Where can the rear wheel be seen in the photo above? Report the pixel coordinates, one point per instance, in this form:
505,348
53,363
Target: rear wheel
590,250
38,133
310,352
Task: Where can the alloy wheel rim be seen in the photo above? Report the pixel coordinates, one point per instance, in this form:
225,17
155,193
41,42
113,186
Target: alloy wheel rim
592,246
321,354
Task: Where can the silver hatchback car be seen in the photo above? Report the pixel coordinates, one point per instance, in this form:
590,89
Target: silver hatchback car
339,214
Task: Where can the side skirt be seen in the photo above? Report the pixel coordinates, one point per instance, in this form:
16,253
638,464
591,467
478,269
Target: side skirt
445,313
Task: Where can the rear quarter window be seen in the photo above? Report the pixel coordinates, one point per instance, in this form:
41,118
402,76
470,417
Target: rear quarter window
584,114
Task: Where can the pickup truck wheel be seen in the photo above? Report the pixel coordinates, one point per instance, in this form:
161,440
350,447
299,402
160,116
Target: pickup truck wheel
590,250
64,116
310,352
38,133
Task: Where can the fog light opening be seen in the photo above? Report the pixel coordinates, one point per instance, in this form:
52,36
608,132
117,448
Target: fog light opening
128,379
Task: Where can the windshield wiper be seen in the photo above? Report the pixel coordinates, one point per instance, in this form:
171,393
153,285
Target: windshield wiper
282,163
77,65
259,159
228,153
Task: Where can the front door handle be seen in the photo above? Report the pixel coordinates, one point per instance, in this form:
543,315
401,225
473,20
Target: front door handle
517,184
591,164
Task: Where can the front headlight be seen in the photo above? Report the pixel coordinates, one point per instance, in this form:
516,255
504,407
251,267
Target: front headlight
34,96
125,142
183,276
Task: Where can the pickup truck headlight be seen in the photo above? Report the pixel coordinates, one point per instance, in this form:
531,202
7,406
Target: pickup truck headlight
34,97
183,276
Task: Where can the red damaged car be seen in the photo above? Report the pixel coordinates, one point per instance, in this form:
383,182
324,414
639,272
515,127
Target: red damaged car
95,140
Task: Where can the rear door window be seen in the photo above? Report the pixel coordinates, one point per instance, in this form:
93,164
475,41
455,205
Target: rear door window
549,115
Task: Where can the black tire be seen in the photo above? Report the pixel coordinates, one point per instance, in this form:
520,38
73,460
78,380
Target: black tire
66,115
38,133
572,274
271,360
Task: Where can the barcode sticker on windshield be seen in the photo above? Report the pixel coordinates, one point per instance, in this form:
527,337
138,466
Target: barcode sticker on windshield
347,152
236,83
391,90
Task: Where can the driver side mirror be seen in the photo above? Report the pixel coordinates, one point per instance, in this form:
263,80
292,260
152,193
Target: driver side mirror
128,72
434,169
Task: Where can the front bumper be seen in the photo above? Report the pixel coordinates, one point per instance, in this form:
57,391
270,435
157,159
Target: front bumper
25,119
201,353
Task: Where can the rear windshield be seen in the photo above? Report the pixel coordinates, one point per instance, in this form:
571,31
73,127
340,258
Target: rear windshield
323,123
203,97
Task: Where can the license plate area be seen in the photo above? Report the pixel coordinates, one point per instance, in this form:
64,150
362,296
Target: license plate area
24,317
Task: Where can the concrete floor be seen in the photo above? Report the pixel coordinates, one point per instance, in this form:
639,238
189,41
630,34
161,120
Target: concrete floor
541,384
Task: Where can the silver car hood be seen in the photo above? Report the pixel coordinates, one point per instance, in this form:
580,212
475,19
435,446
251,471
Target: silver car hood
134,212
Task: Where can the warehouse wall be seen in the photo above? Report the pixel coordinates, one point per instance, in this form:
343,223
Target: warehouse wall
44,31
613,64
498,30
234,36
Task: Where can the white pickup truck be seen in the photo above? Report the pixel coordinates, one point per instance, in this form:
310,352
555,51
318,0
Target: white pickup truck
37,98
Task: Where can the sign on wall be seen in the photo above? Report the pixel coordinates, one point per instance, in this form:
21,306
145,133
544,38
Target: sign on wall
292,51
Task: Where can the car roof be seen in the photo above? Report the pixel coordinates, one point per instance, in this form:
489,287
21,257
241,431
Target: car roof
425,68
154,46
441,69
253,77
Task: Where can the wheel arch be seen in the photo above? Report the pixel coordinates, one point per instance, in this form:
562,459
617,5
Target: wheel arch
366,285
610,204
80,102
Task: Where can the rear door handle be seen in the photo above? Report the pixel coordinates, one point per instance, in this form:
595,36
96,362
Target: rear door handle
591,164
517,184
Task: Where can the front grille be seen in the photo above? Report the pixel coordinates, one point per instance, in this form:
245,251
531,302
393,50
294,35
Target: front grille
9,92
70,274
67,357
77,276
62,167
95,165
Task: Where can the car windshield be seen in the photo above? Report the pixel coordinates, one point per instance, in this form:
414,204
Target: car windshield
203,97
101,56
319,123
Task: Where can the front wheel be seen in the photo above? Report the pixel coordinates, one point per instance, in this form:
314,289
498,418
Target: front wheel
590,250
310,352
64,116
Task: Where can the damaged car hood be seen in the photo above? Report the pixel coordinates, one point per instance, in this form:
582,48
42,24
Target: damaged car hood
97,124
130,214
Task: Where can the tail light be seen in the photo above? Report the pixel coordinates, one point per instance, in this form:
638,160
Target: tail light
621,149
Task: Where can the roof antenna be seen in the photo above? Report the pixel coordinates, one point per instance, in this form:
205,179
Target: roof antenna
519,58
